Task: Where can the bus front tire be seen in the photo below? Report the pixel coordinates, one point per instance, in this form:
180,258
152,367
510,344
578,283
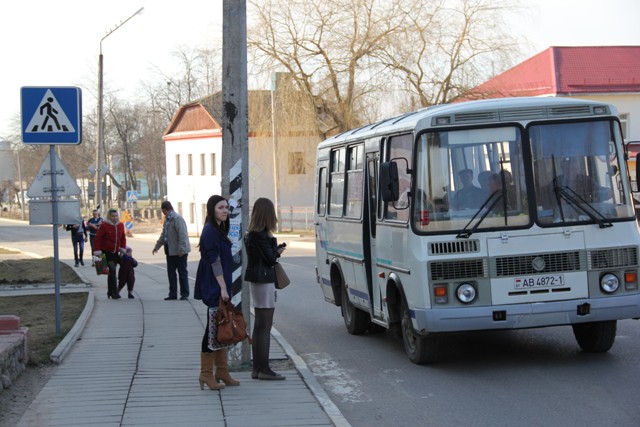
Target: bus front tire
420,349
356,321
595,337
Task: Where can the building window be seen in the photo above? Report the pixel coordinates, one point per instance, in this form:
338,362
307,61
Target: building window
213,163
203,208
202,165
177,164
192,213
180,209
296,163
190,164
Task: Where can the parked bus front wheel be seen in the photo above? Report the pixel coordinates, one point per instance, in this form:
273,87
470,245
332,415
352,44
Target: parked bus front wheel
595,337
356,320
420,349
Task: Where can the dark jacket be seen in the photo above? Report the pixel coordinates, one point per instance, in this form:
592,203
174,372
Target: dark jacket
212,245
262,255
77,230
126,273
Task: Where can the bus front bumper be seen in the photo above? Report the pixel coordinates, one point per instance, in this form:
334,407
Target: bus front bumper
528,315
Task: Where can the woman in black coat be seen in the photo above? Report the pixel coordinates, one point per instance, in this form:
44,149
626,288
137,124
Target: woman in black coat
263,252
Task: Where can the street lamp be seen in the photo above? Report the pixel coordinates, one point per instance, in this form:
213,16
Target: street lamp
100,142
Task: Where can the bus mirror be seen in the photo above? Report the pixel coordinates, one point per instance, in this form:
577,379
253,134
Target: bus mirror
389,182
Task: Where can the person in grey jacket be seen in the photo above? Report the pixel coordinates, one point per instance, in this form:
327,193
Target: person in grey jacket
175,239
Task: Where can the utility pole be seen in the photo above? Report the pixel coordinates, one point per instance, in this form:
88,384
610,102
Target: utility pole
100,148
235,150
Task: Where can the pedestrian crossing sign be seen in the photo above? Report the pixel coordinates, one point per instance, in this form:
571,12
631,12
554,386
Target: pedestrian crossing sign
51,115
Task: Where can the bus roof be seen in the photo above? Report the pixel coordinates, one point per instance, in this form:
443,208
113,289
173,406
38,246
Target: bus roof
482,111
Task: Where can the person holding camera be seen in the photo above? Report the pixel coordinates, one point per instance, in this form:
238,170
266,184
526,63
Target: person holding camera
263,253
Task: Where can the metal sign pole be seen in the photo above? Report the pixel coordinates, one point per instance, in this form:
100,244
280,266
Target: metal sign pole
56,256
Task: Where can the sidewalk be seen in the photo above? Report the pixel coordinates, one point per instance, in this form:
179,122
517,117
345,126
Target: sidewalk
136,363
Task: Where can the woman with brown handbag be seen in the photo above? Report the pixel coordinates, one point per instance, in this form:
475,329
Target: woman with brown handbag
263,252
213,282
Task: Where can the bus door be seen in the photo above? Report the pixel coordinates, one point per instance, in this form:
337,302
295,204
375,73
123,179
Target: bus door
322,258
369,235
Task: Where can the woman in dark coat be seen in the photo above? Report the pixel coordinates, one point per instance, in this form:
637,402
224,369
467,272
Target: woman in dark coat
213,281
263,252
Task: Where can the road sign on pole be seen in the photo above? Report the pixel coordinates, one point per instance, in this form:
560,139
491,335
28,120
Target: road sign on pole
51,115
132,196
65,183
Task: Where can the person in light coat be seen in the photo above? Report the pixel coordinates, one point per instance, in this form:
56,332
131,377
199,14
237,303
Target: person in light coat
175,240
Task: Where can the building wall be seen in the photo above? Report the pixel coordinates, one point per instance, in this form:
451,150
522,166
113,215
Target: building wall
6,162
189,192
295,170
628,104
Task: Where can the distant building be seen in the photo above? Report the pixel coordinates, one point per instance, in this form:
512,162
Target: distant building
601,73
6,170
193,145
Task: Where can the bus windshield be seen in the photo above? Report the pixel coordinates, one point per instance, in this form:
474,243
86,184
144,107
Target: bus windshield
576,173
474,175
475,178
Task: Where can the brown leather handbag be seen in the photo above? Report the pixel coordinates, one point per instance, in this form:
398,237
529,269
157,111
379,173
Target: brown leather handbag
232,327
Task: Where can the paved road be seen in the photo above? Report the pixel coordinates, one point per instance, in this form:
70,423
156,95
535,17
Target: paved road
137,362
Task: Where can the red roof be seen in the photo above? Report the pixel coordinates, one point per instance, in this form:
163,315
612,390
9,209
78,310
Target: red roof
569,71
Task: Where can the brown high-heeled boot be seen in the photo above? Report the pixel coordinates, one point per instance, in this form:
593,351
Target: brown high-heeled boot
222,367
206,372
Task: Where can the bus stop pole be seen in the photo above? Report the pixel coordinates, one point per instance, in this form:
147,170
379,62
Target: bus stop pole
56,255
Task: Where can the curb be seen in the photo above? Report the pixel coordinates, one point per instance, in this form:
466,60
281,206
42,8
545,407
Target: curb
314,386
63,348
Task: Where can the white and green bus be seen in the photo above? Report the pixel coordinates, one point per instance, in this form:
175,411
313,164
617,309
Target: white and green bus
494,214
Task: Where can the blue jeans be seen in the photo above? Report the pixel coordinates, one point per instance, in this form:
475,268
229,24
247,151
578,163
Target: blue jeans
177,264
78,247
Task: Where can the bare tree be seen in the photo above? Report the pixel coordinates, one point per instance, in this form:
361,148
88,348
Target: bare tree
152,153
449,47
124,121
327,47
347,55
199,76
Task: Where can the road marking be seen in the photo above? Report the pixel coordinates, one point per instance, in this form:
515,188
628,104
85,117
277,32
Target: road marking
338,380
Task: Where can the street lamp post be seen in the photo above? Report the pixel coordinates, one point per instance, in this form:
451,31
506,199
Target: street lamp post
100,142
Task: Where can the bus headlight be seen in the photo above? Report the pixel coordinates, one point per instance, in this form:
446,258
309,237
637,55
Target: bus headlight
466,293
609,283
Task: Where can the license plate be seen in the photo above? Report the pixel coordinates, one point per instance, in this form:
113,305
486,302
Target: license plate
537,282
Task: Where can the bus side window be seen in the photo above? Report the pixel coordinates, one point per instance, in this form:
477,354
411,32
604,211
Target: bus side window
400,147
321,208
355,183
336,183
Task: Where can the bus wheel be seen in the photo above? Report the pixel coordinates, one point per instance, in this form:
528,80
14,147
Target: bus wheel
595,337
356,321
420,349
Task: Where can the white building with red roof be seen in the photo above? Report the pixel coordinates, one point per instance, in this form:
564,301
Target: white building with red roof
601,73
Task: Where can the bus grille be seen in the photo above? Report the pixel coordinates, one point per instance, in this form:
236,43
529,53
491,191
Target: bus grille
481,116
583,110
454,270
611,258
523,114
456,247
522,265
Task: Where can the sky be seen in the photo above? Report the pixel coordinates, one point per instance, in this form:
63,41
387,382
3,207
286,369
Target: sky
57,43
